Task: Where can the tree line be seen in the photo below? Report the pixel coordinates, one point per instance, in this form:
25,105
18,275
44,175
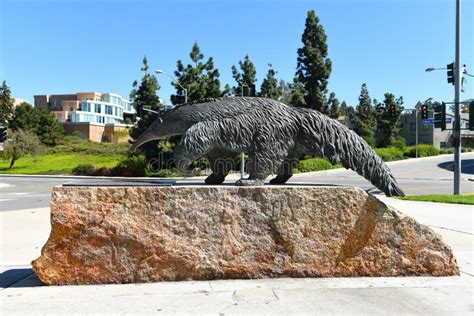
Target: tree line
377,122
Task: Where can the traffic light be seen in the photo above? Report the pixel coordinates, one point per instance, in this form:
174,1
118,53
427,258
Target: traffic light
451,76
440,116
424,111
3,133
471,116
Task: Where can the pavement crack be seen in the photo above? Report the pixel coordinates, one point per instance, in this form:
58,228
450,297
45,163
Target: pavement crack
234,303
469,274
274,293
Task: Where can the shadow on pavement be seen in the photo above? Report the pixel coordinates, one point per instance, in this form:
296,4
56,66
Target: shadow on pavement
467,166
17,278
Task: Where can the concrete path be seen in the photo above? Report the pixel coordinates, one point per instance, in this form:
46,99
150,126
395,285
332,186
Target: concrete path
21,292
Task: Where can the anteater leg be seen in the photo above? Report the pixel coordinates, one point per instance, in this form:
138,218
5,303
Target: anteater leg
261,165
285,171
221,162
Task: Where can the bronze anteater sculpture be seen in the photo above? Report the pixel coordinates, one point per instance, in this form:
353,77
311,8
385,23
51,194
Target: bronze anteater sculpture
274,135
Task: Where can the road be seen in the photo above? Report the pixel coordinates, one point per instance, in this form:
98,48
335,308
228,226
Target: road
432,175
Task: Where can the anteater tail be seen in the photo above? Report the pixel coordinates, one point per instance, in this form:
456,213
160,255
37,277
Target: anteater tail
329,138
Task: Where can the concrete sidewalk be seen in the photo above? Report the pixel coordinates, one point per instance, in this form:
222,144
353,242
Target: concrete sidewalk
21,292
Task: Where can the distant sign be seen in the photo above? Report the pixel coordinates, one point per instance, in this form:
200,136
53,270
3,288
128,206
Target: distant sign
431,121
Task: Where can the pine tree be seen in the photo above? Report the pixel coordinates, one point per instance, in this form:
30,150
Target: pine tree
297,93
343,109
388,119
6,104
313,67
245,79
285,89
143,96
270,87
363,119
333,106
200,79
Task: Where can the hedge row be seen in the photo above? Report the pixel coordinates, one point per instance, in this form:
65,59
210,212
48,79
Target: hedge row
394,153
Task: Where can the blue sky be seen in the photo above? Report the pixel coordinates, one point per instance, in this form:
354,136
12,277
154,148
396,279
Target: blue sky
52,47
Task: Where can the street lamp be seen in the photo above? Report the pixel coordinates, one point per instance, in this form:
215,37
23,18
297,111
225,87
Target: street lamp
159,71
430,69
242,157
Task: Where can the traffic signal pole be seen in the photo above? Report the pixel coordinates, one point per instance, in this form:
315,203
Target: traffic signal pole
457,95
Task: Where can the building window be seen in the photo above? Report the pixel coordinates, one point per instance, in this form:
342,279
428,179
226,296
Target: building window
97,108
109,110
84,107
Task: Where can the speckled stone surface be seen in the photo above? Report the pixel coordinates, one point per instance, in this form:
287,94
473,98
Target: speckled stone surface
145,234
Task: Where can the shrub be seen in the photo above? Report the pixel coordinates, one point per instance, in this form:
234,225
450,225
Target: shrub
84,170
390,153
399,143
370,140
74,144
447,151
167,173
314,164
424,150
133,166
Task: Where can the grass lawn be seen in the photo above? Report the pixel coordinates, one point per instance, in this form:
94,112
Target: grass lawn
57,163
456,199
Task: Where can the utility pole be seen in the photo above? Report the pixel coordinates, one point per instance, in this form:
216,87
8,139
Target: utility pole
457,95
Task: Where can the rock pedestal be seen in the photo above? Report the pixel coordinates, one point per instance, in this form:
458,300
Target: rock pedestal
144,234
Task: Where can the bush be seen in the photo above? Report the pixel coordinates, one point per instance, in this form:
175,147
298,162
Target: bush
390,153
84,170
133,166
424,150
74,144
399,143
447,151
167,173
370,140
314,164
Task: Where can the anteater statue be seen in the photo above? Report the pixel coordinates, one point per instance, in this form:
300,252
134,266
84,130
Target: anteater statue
274,135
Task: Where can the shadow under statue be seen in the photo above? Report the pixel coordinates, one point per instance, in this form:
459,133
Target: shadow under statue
273,134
